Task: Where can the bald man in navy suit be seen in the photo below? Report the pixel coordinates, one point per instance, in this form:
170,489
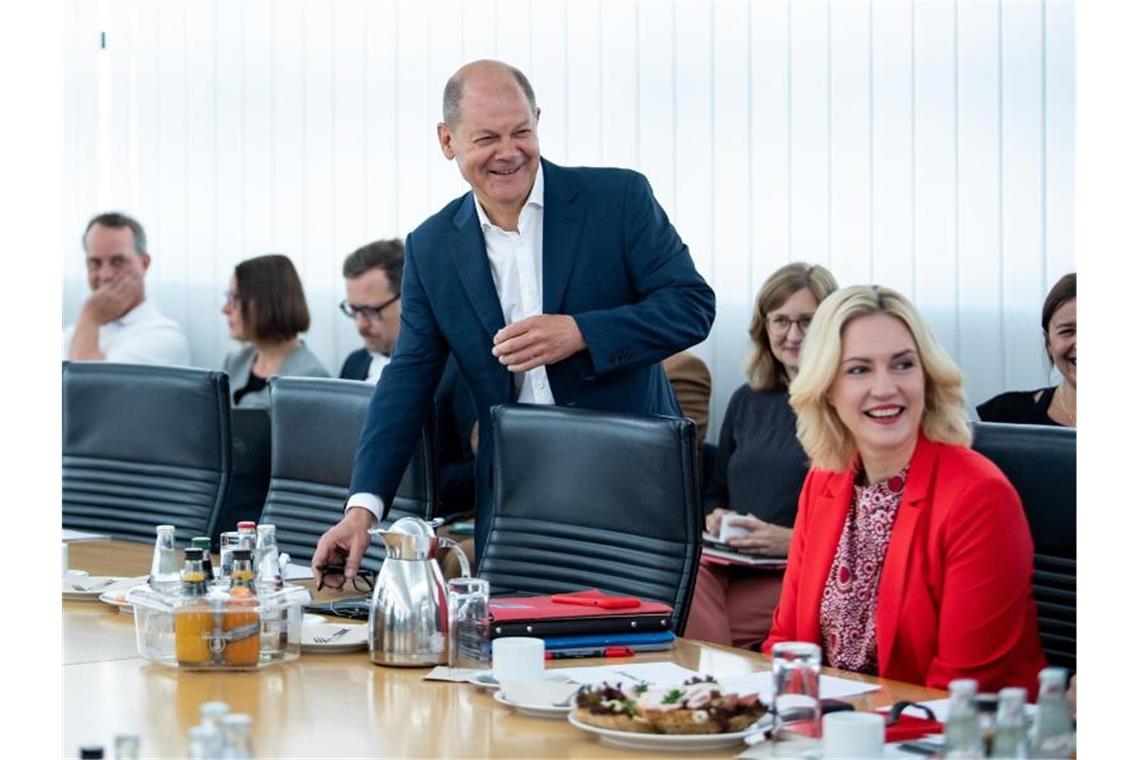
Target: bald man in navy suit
549,285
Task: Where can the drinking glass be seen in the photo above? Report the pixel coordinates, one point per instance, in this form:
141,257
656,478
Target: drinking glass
469,640
796,726
228,541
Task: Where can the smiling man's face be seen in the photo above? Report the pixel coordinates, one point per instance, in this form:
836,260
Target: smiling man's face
494,141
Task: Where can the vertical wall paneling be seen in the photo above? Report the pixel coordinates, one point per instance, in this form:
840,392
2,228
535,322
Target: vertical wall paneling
770,149
656,108
729,272
204,278
548,77
583,84
849,130
979,196
935,169
1021,183
807,126
619,116
926,145
892,143
1060,104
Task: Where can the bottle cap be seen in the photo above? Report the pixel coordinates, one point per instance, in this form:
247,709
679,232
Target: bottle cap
967,686
241,554
193,554
213,709
1053,676
90,752
201,542
247,525
265,528
164,529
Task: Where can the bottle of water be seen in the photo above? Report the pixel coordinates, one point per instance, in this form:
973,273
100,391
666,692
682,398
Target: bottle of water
1010,738
267,562
1053,727
963,733
165,575
238,734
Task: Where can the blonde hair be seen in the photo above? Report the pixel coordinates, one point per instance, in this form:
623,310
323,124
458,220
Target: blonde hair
765,373
826,440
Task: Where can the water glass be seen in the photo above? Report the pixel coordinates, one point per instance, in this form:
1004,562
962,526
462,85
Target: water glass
796,726
469,618
229,541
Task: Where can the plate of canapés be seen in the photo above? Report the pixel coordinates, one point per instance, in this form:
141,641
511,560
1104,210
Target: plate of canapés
697,715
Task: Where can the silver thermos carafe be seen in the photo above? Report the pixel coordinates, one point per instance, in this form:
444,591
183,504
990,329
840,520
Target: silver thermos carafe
407,622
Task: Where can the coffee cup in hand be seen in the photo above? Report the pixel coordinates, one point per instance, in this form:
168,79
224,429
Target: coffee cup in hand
729,529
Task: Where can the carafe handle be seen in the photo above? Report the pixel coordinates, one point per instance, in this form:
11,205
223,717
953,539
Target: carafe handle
464,565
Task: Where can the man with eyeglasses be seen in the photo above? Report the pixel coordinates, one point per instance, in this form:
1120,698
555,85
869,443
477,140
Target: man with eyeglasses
117,323
373,275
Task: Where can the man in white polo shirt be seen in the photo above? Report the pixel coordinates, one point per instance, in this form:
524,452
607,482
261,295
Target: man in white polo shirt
117,323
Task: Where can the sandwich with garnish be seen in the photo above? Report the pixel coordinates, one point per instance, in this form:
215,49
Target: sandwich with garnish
612,707
699,706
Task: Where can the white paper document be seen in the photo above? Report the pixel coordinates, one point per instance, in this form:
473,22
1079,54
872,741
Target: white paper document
295,572
830,687
70,535
941,710
653,673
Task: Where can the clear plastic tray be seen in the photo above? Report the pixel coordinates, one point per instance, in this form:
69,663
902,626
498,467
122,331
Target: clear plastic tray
218,632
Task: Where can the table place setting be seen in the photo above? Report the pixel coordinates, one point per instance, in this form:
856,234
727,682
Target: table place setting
90,588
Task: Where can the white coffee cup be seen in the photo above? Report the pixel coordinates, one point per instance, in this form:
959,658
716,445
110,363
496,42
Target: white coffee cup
853,734
66,562
518,659
730,530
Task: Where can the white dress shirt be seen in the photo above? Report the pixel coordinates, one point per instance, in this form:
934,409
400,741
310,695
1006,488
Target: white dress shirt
143,335
516,268
376,367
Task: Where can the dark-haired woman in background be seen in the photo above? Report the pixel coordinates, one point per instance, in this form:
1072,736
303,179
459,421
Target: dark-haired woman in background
760,465
265,307
1047,406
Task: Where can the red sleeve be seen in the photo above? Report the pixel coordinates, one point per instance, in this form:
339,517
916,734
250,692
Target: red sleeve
784,618
987,572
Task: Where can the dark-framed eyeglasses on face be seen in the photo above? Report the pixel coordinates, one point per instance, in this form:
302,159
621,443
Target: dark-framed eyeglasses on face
371,313
781,325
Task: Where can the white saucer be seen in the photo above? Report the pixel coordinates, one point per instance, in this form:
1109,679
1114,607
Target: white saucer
535,711
352,640
484,680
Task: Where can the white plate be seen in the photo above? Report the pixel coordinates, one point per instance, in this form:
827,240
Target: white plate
484,680
310,619
535,711
352,640
94,586
668,742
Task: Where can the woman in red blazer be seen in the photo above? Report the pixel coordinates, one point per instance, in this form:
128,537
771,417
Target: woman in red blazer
910,558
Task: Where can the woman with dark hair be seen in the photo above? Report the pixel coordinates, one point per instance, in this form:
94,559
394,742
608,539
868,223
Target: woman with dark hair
1053,405
265,308
760,465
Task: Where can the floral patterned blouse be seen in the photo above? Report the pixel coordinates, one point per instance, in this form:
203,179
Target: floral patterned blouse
851,594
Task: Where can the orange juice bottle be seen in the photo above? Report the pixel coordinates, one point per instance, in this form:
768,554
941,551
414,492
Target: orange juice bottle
243,627
192,619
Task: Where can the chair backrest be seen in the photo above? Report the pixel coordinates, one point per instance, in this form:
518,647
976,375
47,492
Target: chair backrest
144,446
1041,463
316,423
587,499
249,482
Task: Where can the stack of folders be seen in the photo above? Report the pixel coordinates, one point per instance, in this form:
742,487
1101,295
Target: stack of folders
585,623
716,552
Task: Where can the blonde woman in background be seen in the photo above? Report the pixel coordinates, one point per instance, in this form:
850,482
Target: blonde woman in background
760,465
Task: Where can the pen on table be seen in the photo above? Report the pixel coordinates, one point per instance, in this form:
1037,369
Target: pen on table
606,652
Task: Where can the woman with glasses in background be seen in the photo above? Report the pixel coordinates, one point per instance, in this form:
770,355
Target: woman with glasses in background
265,309
760,465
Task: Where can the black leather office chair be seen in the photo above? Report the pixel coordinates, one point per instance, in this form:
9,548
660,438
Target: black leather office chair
588,499
144,446
1041,463
249,479
315,426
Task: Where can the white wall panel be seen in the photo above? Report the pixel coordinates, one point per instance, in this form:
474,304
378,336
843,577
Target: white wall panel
928,146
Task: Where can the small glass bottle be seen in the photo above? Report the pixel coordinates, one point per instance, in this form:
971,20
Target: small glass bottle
203,543
212,714
126,747
267,566
238,733
164,575
963,735
242,621
247,535
205,743
193,622
1052,734
1010,739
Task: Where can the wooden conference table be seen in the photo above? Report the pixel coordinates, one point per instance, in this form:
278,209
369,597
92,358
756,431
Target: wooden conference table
324,705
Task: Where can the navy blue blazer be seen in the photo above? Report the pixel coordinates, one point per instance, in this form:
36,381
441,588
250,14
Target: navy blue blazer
611,259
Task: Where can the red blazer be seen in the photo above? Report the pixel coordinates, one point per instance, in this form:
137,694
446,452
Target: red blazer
954,594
